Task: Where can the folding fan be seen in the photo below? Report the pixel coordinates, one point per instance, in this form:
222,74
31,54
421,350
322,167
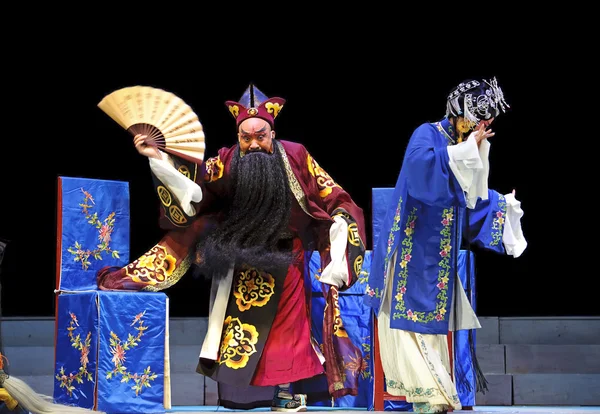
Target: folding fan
170,124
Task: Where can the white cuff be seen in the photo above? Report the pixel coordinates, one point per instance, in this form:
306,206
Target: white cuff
470,166
480,182
336,272
512,236
182,187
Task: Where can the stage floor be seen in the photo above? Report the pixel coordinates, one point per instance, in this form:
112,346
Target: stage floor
478,410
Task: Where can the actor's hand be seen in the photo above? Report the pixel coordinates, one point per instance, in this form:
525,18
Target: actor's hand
481,133
146,149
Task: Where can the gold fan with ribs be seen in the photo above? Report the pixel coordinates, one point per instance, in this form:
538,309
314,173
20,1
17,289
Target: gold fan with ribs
166,119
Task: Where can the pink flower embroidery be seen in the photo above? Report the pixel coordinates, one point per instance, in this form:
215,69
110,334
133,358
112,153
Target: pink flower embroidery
84,355
118,354
105,233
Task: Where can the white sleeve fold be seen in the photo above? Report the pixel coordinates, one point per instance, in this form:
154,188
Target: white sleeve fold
182,187
336,272
512,235
470,166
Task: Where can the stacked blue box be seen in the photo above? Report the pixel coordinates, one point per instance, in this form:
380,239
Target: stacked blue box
111,348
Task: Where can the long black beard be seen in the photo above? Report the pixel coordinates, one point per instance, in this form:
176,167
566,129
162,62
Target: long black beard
253,229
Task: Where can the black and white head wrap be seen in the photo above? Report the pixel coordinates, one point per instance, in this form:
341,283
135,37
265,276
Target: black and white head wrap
476,101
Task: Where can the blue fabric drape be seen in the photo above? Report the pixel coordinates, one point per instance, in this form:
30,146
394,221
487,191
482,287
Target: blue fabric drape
115,341
94,231
76,349
131,351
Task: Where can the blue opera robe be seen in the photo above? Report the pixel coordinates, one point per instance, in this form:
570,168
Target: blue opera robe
425,221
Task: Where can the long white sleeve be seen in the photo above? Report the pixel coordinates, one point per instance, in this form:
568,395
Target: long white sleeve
182,187
470,165
336,272
512,236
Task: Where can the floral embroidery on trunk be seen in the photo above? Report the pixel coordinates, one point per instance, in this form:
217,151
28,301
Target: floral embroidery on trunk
67,380
498,223
363,277
154,267
239,343
105,230
118,349
253,288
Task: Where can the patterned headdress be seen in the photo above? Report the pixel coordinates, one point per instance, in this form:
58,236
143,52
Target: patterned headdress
254,103
476,101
